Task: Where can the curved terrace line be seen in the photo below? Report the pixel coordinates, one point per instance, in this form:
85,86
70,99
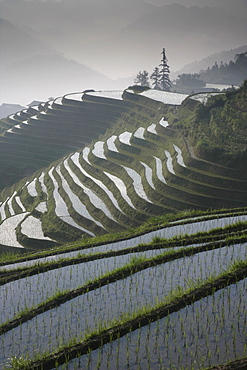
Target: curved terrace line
139,133
207,253
163,123
159,170
32,228
148,174
94,198
8,235
85,154
118,330
78,206
75,159
179,156
9,204
98,150
188,226
169,162
61,209
121,187
137,183
31,188
125,137
111,144
42,183
152,129
20,204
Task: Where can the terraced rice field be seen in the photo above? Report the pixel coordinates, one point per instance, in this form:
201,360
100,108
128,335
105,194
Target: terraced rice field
129,252
115,163
76,299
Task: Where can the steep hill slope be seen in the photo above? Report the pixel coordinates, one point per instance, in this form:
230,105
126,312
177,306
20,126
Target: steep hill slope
217,128
125,157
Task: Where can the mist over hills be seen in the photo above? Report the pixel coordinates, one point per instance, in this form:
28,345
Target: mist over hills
188,35
224,56
17,44
55,75
115,38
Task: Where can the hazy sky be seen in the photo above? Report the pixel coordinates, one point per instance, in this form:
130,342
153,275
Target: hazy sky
117,38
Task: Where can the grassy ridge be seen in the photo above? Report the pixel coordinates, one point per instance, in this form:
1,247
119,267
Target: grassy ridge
217,129
176,301
169,186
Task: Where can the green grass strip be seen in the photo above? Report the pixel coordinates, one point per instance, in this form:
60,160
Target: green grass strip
239,364
7,276
153,224
134,266
130,322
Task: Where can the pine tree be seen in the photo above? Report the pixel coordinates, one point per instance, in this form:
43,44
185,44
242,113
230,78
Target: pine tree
155,76
142,78
164,80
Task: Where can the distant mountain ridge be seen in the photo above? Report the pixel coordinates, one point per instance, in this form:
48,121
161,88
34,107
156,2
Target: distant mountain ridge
224,56
187,34
40,74
115,38
94,32
18,45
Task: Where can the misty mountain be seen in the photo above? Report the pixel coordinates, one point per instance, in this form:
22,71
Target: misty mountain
237,6
69,24
16,44
119,38
42,76
224,56
187,33
115,37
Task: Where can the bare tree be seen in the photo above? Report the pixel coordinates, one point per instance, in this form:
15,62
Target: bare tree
142,78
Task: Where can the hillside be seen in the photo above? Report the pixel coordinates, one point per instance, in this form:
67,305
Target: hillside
131,222
223,56
104,162
217,129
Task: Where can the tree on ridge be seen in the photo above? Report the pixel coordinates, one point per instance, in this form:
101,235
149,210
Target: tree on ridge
164,80
155,76
142,78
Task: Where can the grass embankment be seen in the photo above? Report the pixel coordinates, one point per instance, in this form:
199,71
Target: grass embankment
177,300
134,266
154,223
180,191
217,129
228,232
240,364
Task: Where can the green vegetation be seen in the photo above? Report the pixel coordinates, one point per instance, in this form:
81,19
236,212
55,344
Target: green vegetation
154,223
106,190
217,129
232,73
176,300
137,213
